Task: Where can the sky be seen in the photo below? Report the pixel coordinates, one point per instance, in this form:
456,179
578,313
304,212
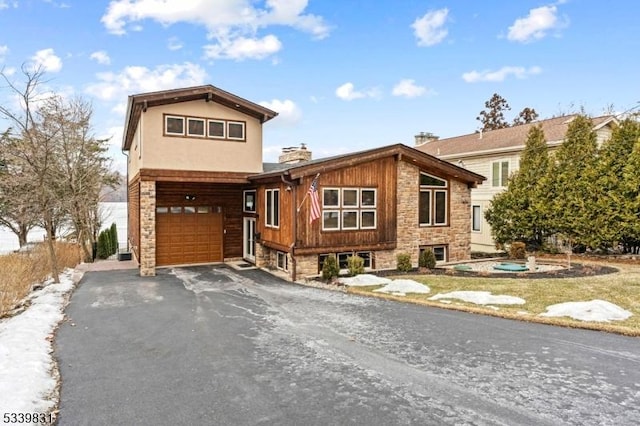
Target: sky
343,75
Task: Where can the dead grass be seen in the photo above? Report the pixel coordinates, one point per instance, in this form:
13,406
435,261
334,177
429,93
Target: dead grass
621,288
22,271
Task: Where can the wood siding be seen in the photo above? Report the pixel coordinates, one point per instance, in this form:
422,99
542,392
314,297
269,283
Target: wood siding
281,237
227,197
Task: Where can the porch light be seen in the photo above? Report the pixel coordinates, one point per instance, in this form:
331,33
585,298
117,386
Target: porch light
189,197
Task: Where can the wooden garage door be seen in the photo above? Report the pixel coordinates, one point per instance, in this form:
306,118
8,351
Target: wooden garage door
188,234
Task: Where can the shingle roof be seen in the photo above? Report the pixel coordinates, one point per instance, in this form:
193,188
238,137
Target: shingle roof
506,139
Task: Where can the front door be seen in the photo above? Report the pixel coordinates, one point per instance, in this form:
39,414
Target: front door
249,239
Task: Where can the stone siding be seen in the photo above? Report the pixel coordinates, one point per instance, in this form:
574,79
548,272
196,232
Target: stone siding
147,228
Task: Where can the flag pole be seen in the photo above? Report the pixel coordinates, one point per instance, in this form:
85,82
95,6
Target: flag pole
306,194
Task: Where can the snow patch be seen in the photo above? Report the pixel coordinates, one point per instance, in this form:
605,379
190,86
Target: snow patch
26,362
594,310
480,298
402,287
364,280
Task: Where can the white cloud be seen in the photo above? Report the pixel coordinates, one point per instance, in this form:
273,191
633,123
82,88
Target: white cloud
408,89
101,57
46,60
347,92
228,22
429,29
4,49
243,48
535,25
288,111
137,79
501,74
174,43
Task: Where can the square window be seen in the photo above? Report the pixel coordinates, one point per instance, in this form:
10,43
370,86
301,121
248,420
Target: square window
195,127
331,197
440,253
349,219
366,256
349,197
330,220
368,197
174,125
249,201
216,129
235,130
368,219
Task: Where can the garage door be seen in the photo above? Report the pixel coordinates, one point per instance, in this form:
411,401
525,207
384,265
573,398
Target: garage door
188,234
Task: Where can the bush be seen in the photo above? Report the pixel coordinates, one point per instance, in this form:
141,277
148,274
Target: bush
330,268
404,262
427,259
355,264
113,235
517,250
104,245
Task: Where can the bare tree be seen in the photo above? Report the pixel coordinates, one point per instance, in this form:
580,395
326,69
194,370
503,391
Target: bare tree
492,117
526,116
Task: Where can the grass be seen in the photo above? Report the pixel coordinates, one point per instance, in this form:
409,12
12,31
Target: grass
22,271
621,288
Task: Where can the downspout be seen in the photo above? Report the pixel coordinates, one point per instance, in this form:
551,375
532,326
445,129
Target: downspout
294,224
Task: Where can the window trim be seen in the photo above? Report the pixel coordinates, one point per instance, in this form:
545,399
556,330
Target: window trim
331,206
282,255
270,218
195,135
445,247
502,181
375,198
433,190
339,208
244,130
224,128
375,218
166,125
337,212
370,258
473,218
244,201
350,211
351,206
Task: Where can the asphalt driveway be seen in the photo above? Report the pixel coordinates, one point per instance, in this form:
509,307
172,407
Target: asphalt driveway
213,346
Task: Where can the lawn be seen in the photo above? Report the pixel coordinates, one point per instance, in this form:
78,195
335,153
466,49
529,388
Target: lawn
621,288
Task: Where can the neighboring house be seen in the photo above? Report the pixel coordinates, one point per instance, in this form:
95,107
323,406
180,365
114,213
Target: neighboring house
199,193
496,154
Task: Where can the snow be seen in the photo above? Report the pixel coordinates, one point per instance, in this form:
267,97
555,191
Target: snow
480,298
26,362
402,287
594,310
364,280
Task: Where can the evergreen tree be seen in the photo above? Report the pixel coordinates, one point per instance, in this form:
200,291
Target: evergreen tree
519,213
492,117
113,235
631,190
526,116
571,197
608,218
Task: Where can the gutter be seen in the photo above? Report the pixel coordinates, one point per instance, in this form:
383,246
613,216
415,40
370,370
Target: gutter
294,223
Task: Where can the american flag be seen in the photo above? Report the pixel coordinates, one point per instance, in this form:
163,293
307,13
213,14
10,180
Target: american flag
315,201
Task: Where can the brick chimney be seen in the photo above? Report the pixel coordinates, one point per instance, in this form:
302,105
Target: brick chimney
424,137
294,154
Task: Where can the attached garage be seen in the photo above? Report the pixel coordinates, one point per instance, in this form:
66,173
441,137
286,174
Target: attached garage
189,234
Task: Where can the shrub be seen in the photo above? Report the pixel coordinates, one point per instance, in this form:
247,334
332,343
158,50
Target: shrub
355,264
404,262
517,250
113,235
104,245
427,259
330,268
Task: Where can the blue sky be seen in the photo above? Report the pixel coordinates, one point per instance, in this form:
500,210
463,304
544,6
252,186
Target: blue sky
344,75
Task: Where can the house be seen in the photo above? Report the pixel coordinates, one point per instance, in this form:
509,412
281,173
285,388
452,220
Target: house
496,154
199,192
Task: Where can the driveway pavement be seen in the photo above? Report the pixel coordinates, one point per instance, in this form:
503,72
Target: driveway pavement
213,346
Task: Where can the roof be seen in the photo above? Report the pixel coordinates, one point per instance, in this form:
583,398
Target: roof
302,169
140,102
504,140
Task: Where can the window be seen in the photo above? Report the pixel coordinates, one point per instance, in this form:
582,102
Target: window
217,129
203,209
195,127
189,209
176,210
272,208
440,252
162,210
282,261
476,218
499,173
249,201
432,203
343,259
173,125
348,209
235,130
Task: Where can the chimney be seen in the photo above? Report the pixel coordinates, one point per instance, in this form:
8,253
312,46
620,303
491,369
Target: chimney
424,137
294,154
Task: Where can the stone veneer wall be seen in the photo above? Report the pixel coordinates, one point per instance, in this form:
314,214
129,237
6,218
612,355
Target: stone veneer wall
457,236
148,228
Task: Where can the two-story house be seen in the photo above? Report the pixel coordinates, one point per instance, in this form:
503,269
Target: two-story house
199,193
496,154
